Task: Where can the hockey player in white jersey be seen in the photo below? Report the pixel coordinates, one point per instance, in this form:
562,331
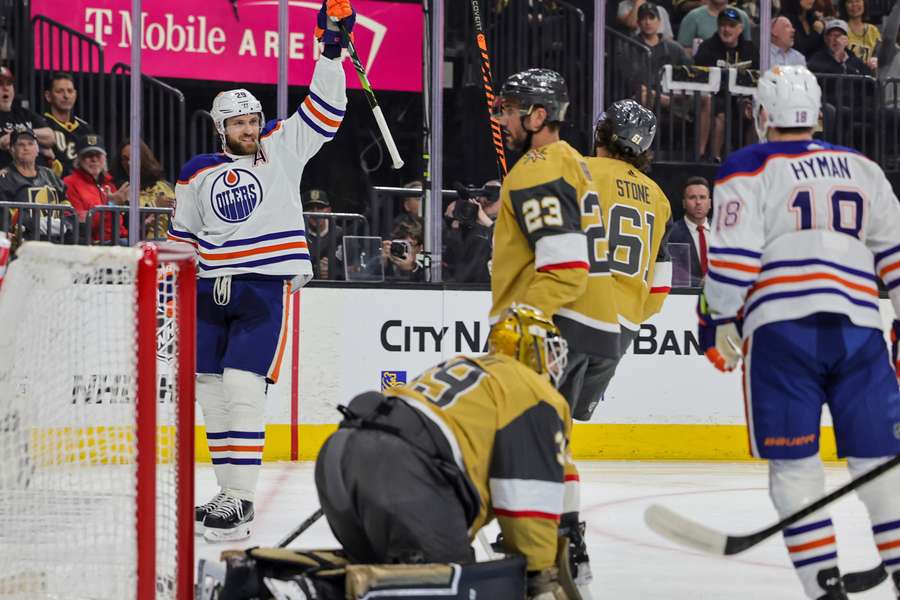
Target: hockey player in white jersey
803,231
241,209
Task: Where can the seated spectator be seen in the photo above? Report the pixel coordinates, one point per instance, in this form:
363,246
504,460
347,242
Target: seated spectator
630,13
702,23
693,229
14,116
863,37
411,213
680,8
834,59
808,25
468,235
662,52
727,46
155,192
61,96
23,180
90,185
324,236
399,254
826,9
781,52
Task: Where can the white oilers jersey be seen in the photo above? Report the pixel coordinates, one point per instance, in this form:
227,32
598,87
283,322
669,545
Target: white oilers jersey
800,228
243,213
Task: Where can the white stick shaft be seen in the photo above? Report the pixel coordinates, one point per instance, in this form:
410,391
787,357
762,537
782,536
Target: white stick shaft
388,139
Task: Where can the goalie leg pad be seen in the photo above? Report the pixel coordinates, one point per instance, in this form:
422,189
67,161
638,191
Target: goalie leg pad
246,395
503,578
811,544
883,503
211,397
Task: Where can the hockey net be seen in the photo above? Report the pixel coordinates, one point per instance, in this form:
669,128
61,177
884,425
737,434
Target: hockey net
96,423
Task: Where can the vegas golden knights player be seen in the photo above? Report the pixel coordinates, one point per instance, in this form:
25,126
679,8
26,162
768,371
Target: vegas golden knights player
467,441
630,274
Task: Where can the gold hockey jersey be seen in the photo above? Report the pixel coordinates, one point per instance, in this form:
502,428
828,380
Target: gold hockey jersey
509,430
630,274
540,254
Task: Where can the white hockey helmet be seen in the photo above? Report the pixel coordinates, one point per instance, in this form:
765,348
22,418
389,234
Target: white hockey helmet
791,96
234,103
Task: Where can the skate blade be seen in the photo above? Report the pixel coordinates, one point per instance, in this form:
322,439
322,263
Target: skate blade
241,532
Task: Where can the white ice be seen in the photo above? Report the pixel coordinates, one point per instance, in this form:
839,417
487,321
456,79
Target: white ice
629,561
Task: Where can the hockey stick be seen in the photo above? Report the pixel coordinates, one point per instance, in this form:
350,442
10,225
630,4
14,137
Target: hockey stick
373,102
301,528
488,85
677,528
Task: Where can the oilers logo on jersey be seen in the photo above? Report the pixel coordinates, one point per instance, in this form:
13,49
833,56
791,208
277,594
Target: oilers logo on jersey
234,194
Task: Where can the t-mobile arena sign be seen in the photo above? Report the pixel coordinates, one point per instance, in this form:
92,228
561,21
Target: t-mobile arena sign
238,41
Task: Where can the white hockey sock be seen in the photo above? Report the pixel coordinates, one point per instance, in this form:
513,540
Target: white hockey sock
882,500
246,395
211,396
811,544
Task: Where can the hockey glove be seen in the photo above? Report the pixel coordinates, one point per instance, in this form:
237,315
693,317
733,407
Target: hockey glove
328,33
720,339
895,346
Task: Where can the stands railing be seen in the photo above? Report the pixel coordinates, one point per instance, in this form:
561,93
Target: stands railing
164,121
890,129
554,36
851,111
629,73
15,39
61,48
202,135
23,221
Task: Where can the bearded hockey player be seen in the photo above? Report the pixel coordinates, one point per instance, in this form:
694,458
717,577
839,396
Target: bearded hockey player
241,209
803,230
469,440
630,275
540,251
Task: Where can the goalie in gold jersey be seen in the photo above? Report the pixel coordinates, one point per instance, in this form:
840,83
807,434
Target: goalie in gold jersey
625,222
412,475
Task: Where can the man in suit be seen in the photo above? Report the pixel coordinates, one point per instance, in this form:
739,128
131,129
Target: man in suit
692,230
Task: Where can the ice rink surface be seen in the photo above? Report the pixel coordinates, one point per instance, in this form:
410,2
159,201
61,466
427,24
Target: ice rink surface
629,561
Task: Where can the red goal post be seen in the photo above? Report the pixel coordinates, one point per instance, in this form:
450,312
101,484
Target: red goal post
97,360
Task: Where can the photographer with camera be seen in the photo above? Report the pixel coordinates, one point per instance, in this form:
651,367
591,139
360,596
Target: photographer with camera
402,254
469,228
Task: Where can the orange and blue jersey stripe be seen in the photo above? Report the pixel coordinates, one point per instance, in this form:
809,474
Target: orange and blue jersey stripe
320,116
236,447
812,543
887,264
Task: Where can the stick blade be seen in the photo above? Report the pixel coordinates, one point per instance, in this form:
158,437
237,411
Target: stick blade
682,530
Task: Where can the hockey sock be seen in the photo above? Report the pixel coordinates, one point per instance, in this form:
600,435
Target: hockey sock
246,394
793,484
211,396
883,503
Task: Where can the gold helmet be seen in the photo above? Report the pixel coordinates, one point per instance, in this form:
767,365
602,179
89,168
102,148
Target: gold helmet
526,334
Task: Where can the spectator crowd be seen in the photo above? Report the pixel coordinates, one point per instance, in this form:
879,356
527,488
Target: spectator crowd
57,158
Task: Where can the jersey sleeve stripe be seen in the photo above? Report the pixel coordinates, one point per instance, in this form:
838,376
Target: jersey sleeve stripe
335,111
734,266
565,265
893,284
810,292
728,280
889,268
880,256
561,251
660,290
319,115
527,496
735,252
525,514
781,264
314,126
764,283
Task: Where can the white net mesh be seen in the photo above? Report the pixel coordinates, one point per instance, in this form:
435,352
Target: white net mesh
68,384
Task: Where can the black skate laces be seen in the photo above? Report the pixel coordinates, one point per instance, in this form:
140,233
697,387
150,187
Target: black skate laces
216,500
228,507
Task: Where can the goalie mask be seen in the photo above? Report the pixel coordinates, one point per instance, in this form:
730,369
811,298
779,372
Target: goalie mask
234,103
525,334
